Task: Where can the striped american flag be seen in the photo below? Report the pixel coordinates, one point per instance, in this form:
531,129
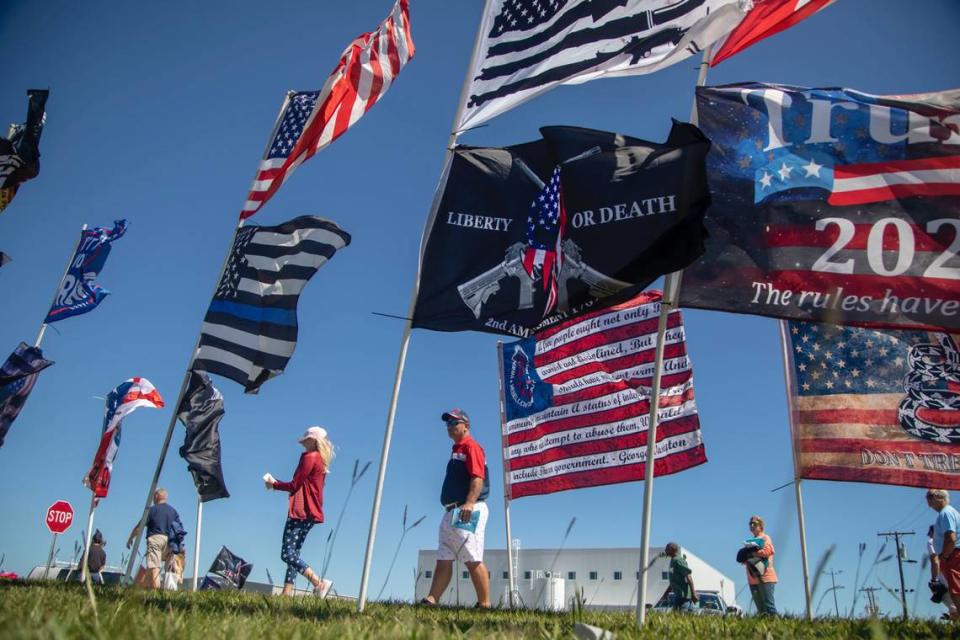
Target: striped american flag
543,255
874,406
311,120
576,401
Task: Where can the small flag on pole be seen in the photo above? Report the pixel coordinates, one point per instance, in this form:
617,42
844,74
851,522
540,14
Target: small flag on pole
17,377
4,258
313,119
78,293
250,330
122,401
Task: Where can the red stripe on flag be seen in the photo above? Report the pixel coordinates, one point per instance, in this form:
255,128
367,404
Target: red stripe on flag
894,166
600,390
376,68
619,364
629,473
600,338
847,416
778,236
849,445
893,192
677,427
764,20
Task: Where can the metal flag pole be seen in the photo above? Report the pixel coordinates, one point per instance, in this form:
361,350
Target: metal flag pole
86,544
512,578
405,338
787,366
53,546
669,302
66,269
196,544
186,375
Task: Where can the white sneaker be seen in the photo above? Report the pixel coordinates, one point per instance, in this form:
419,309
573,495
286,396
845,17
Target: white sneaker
323,588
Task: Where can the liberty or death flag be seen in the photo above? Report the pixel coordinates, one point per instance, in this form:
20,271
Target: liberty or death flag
577,401
78,293
121,402
17,377
250,330
201,412
874,406
313,119
499,259
831,205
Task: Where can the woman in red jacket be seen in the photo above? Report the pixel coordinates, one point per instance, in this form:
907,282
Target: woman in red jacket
306,504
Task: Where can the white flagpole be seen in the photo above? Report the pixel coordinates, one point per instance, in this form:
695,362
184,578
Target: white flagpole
512,579
86,547
196,544
670,301
186,375
405,338
43,325
787,366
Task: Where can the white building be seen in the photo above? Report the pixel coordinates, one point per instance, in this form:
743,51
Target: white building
551,578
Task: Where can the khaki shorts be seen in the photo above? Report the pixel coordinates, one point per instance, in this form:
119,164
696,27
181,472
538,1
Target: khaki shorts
156,551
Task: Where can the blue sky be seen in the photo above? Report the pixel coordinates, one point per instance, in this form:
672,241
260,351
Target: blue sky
159,112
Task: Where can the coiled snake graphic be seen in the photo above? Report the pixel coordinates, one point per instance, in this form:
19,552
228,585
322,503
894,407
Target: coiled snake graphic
931,410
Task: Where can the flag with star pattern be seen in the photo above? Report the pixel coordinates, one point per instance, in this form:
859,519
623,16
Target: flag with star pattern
17,378
545,225
831,205
874,406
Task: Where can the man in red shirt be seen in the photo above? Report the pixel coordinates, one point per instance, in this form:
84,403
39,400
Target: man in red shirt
466,485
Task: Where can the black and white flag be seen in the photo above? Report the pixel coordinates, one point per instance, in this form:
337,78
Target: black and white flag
250,330
530,46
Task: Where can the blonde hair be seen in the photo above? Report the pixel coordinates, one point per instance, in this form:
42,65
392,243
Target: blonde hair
758,520
939,493
324,447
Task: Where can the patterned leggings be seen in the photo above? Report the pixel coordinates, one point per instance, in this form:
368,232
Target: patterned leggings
294,533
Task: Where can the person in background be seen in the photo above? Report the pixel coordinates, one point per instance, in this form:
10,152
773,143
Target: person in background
305,506
160,519
680,579
762,585
937,584
466,485
97,558
945,529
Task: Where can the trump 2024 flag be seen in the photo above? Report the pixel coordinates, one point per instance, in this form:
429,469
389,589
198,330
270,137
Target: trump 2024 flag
577,401
874,406
831,205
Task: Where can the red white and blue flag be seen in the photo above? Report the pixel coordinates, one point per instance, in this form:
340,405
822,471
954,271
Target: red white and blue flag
132,394
577,401
543,256
874,406
766,18
313,119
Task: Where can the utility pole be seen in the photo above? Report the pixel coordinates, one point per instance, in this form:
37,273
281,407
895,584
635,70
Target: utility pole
832,574
903,589
872,607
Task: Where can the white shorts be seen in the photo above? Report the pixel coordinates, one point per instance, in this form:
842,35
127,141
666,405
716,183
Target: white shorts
457,544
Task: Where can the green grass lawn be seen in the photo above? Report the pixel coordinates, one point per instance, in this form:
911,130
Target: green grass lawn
46,610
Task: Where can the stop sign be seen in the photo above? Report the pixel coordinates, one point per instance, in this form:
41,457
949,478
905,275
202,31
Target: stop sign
59,516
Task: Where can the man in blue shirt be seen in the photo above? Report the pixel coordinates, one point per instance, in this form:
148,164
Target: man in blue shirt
945,529
161,519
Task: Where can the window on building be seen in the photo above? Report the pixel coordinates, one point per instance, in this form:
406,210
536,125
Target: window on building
636,576
665,575
506,575
618,575
526,575
571,575
593,575
466,574
428,574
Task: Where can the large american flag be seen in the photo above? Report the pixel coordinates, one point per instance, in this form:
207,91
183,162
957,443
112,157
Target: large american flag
874,406
313,119
545,224
576,401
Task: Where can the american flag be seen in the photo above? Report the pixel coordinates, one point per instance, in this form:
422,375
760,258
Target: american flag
17,377
528,47
874,406
766,18
250,330
121,402
545,225
576,400
313,119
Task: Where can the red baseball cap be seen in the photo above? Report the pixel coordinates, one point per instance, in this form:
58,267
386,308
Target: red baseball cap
458,415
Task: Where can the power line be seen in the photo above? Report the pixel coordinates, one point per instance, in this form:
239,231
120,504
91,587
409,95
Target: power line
832,573
900,552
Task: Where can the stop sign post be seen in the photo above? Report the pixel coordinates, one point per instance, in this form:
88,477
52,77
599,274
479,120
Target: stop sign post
58,519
